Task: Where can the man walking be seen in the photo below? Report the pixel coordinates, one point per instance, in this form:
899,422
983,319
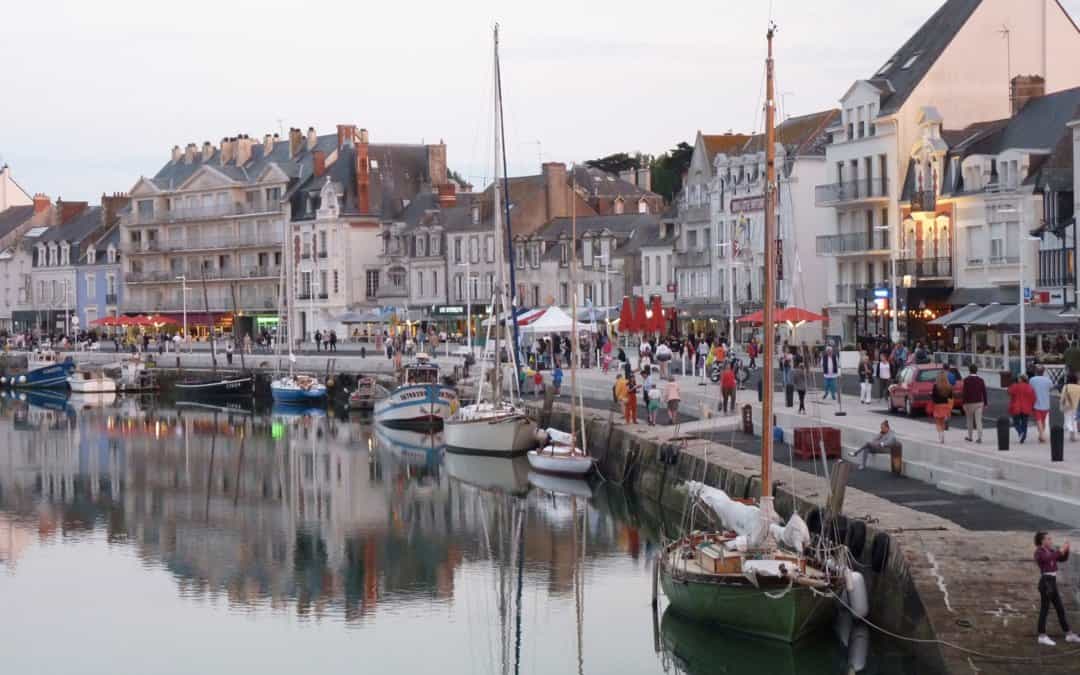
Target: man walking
974,402
1047,558
1042,386
830,370
318,341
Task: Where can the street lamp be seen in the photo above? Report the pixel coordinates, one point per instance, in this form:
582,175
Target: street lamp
183,290
1024,239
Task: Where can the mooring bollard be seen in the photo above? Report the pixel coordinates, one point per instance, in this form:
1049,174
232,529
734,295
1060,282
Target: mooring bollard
748,419
1003,433
1057,444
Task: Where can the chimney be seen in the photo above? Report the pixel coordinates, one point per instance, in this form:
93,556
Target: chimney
243,149
189,153
447,195
296,138
1025,88
363,175
318,163
555,186
207,151
436,156
111,205
644,179
42,203
177,153
346,134
268,145
70,210
312,138
227,150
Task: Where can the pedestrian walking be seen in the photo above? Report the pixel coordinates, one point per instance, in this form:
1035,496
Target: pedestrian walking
941,397
1069,402
673,397
798,380
1042,386
663,359
652,395
1021,405
1047,558
631,398
884,374
318,341
830,369
866,380
538,383
752,351
333,340
727,389
975,401
556,379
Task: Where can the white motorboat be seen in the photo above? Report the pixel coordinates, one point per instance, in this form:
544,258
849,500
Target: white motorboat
136,377
91,381
494,429
419,401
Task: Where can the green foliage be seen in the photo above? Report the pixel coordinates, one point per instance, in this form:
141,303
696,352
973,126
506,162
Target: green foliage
1072,359
620,161
668,170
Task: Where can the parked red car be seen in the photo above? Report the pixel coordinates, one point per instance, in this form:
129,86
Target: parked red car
914,385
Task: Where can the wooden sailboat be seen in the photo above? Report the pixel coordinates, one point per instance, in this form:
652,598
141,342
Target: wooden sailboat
746,580
495,426
563,456
218,384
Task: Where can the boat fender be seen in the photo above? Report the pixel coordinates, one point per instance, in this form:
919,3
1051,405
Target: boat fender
879,552
541,437
858,647
854,595
856,538
22,379
813,520
329,383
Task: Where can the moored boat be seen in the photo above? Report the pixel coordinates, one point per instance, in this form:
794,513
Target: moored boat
216,386
91,381
135,377
297,389
419,401
488,428
45,369
367,392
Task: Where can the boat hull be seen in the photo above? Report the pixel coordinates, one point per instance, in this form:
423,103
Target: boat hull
416,406
741,606
238,386
92,386
47,377
560,463
296,396
510,435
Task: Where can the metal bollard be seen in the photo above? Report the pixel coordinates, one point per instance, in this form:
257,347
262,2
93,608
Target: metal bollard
748,419
1003,433
1057,444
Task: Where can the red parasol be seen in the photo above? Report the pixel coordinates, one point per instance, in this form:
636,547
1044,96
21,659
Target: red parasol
160,320
627,322
105,321
641,319
657,323
756,317
798,315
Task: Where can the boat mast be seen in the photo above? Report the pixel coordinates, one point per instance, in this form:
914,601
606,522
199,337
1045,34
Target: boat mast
573,309
496,304
770,276
509,243
210,320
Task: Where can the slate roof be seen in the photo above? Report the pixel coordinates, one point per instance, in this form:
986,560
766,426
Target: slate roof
802,135
723,144
625,224
14,216
600,183
76,229
925,46
101,245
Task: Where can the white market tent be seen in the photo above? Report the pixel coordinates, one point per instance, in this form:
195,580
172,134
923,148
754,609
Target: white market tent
554,320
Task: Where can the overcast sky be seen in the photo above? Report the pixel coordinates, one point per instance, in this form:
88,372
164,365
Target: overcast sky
94,94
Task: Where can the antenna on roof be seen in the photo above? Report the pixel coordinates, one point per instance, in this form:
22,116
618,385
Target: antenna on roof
1007,35
281,128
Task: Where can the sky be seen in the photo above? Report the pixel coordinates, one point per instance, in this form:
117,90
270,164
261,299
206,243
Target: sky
95,94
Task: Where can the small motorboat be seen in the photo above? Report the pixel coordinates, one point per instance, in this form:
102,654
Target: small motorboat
217,386
561,456
136,377
44,369
367,392
297,389
91,381
420,401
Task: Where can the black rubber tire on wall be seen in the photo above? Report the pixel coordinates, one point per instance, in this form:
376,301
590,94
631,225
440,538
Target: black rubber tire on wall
879,552
813,520
856,538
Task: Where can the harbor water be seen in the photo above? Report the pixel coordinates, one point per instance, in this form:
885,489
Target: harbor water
143,536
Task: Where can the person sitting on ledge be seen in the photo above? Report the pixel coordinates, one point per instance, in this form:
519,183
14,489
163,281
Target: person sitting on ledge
883,444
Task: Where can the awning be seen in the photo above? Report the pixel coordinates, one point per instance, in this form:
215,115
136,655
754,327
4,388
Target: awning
1003,295
1007,318
370,316
957,316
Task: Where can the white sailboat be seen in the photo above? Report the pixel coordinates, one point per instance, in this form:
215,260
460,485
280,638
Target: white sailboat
562,455
494,426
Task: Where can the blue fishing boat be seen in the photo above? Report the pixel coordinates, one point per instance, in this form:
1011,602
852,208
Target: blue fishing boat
297,390
44,370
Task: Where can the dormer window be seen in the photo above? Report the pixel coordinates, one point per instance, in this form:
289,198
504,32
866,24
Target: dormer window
111,254
618,206
52,255
642,206
91,256
65,254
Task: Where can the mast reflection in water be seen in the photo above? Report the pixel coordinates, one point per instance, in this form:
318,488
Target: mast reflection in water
140,537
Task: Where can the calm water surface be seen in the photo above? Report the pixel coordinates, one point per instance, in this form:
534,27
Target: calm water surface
143,537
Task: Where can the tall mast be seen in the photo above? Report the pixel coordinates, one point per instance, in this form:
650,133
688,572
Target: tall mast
770,276
497,304
508,247
573,309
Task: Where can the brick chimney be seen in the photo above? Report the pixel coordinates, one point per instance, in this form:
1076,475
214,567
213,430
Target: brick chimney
312,138
207,151
318,163
42,203
296,139
436,156
111,205
363,175
346,134
228,150
70,210
558,205
189,153
177,153
447,195
243,149
1025,88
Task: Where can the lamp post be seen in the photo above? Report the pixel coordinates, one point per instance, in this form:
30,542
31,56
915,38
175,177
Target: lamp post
731,288
183,291
1024,238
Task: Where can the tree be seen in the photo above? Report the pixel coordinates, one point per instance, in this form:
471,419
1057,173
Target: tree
616,163
668,170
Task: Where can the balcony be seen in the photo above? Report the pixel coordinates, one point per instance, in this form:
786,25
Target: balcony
927,268
110,298
304,296
154,304
695,214
850,192
923,201
845,293
853,243
692,259
195,276
205,243
1056,268
201,213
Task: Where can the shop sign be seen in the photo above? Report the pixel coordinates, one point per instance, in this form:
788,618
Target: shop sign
748,204
449,310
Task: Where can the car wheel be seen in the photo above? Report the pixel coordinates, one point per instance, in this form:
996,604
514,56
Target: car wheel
892,406
908,410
